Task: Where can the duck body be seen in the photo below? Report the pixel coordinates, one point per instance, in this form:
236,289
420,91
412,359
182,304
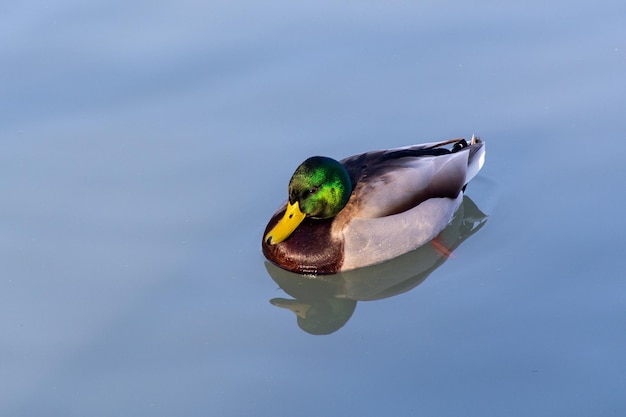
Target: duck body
399,199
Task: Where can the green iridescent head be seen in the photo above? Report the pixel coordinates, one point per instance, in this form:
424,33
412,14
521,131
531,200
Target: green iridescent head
319,188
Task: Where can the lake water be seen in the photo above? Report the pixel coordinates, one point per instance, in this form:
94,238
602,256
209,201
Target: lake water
145,145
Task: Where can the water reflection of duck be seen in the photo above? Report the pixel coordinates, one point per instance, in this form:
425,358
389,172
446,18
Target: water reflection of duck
369,208
324,303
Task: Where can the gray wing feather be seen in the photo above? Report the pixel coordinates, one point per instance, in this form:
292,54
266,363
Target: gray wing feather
399,185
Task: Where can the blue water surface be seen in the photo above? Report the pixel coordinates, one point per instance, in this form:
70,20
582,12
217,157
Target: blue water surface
146,144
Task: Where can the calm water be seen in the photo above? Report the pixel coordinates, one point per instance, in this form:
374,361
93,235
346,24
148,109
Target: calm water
145,145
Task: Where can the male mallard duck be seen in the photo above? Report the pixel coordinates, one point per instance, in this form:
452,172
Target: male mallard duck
369,208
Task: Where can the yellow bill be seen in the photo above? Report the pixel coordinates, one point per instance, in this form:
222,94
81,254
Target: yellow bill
285,227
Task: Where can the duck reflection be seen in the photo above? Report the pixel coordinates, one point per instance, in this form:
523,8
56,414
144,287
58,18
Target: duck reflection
323,304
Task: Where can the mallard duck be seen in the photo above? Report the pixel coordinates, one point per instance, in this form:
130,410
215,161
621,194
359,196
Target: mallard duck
369,208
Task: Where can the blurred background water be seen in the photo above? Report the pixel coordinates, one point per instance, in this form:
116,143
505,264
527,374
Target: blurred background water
145,146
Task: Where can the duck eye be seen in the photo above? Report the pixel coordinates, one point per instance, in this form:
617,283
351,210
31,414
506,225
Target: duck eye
313,190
